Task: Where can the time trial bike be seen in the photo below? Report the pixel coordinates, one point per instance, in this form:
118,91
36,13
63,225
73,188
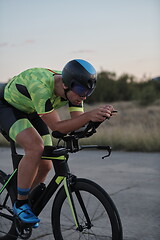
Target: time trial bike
81,208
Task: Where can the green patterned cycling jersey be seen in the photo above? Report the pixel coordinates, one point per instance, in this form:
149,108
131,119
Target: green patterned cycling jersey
33,91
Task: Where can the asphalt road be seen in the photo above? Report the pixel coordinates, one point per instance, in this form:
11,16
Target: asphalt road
132,180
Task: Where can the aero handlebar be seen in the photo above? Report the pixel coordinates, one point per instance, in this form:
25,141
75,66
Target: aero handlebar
86,131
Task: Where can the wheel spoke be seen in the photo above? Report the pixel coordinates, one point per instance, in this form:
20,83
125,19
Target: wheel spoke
96,214
7,230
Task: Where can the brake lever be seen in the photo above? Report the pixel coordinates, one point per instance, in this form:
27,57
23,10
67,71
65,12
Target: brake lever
109,149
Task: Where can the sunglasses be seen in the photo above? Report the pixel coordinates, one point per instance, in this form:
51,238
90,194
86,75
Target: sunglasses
81,90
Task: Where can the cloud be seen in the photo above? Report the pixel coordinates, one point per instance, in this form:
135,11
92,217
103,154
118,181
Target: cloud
29,41
3,44
26,42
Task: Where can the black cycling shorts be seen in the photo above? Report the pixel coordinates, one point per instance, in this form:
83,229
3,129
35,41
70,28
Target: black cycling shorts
14,121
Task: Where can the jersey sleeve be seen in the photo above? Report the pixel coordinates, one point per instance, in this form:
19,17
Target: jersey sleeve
41,99
77,108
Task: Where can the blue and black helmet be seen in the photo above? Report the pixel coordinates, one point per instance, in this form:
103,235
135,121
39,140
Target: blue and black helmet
80,77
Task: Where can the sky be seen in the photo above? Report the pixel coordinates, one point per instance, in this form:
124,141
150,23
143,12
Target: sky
121,36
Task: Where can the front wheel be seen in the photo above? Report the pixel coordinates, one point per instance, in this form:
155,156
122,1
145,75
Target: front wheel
7,198
103,222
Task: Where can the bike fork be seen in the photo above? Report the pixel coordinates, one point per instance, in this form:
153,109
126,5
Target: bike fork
73,208
70,201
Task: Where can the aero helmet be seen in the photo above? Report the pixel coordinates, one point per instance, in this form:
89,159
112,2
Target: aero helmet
80,77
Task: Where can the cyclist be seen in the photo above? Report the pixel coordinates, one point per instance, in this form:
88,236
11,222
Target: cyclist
28,108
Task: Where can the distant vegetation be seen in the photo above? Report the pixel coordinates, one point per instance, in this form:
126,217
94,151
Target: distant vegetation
135,128
111,88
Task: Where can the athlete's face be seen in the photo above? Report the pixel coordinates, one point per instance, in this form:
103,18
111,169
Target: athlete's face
75,98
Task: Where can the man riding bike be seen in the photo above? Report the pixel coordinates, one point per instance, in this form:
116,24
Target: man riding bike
28,108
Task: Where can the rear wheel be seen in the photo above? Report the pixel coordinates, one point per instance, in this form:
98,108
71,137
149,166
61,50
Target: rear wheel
7,198
103,223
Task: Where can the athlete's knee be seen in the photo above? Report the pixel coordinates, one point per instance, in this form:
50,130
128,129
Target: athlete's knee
35,148
31,142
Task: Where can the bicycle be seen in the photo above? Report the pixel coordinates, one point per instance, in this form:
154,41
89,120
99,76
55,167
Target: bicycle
81,208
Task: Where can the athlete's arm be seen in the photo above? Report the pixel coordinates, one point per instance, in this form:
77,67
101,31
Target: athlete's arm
53,121
75,114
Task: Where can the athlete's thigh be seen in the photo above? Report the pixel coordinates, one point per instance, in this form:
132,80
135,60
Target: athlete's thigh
42,128
30,140
12,120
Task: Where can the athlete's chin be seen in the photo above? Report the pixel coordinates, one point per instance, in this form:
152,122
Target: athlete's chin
76,102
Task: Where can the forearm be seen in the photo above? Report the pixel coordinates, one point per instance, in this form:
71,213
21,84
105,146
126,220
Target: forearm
96,115
68,125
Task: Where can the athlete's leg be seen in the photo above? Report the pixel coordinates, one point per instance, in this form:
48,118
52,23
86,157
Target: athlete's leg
45,165
16,124
32,143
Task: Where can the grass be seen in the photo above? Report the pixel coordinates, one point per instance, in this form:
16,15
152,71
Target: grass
135,128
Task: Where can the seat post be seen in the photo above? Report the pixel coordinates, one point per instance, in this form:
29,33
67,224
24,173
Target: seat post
13,146
12,143
16,157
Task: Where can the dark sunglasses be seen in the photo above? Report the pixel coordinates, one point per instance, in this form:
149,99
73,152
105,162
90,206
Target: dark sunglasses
81,90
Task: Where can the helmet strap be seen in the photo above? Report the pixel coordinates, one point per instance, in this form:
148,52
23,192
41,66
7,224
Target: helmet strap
65,92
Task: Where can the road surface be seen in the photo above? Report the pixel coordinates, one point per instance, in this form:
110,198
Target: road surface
133,181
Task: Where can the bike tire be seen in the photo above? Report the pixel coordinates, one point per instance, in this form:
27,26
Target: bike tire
7,198
101,210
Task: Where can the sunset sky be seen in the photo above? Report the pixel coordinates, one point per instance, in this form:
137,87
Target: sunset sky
114,35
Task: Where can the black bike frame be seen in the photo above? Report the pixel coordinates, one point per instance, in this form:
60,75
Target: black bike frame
59,157
62,173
